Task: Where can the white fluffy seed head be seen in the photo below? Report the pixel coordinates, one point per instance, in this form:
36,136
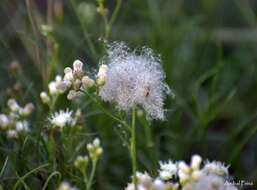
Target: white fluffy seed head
134,79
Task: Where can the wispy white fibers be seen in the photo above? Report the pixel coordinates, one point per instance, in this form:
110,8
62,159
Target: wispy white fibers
134,78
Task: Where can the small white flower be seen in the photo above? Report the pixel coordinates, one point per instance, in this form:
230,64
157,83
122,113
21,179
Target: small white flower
215,167
168,170
61,118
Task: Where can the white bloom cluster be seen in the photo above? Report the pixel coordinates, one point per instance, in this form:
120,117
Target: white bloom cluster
168,170
134,79
66,186
215,167
74,79
15,120
63,118
172,175
145,182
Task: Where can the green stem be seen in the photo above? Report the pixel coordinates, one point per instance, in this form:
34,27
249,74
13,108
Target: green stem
85,178
89,184
85,32
105,111
133,147
108,25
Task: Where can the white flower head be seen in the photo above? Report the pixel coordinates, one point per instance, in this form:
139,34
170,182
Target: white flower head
168,170
134,79
215,167
61,118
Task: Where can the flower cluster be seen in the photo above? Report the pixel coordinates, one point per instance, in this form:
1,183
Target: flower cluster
64,118
15,120
134,79
74,78
94,149
66,186
145,182
172,175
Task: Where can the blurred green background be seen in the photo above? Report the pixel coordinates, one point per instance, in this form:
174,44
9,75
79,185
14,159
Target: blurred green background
209,53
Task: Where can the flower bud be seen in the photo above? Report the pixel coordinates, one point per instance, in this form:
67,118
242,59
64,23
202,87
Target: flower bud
77,65
4,121
44,97
78,68
52,88
90,147
81,162
99,151
87,82
13,105
67,70
72,94
77,84
68,76
96,142
28,109
195,162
